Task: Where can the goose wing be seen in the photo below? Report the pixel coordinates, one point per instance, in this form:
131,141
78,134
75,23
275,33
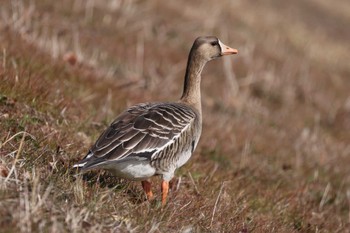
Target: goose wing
139,133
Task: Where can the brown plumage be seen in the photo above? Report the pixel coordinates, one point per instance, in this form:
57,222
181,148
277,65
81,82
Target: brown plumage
157,138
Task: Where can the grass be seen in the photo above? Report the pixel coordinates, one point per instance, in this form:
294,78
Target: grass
274,152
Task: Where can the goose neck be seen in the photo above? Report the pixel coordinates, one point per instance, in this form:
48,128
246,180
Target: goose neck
191,92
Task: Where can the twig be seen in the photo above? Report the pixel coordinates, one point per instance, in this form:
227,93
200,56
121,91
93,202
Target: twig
216,203
324,197
215,168
230,75
184,206
194,184
245,152
348,196
4,58
16,158
140,50
178,184
22,132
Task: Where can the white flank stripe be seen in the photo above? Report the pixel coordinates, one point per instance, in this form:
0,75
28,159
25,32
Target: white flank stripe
79,164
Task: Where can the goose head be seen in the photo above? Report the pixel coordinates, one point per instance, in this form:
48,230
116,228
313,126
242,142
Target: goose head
210,47
203,50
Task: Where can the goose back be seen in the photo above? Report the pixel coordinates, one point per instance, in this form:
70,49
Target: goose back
165,134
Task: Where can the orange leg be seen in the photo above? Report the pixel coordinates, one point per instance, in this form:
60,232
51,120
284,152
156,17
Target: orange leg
165,190
146,185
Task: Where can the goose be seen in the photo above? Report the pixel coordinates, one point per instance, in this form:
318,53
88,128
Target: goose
151,139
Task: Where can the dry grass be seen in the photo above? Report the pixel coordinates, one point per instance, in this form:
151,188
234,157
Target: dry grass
274,154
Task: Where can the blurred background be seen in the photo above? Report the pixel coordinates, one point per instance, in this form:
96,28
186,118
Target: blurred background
275,148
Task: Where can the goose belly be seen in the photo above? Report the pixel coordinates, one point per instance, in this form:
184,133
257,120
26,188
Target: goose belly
133,170
183,158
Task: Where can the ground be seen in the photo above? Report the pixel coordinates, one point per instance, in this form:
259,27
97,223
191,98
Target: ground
274,153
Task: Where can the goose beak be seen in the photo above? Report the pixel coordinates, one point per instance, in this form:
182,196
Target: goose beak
225,50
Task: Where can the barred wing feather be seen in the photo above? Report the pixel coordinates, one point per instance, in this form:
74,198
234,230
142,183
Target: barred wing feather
141,131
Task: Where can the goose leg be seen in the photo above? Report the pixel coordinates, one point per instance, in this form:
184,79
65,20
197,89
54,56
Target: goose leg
146,185
165,190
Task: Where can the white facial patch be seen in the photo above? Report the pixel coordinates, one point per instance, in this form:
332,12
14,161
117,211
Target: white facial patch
222,46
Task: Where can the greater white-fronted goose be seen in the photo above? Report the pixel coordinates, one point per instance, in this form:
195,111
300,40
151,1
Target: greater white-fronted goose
157,138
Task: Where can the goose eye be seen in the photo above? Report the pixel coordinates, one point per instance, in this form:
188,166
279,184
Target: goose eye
214,43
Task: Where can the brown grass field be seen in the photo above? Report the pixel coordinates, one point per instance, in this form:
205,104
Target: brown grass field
274,155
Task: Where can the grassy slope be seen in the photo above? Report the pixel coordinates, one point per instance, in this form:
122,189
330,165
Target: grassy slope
276,160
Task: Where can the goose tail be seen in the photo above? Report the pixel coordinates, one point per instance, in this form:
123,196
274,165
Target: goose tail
84,161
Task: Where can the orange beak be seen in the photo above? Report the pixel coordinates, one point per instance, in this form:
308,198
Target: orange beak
225,50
